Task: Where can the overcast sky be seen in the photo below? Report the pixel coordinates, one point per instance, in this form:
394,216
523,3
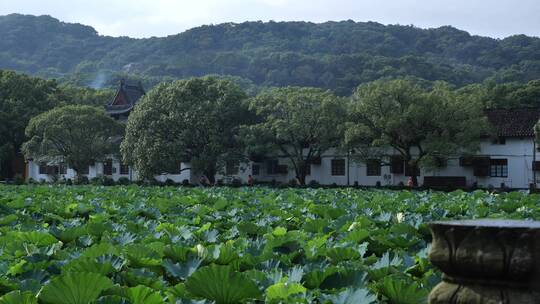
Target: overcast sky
145,18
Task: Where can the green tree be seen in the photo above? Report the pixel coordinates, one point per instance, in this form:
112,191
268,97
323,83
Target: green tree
423,125
85,96
21,98
194,120
75,134
295,122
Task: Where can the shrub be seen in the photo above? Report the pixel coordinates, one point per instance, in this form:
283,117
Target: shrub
81,180
102,181
69,182
185,183
313,183
107,181
19,179
96,181
123,181
293,183
169,182
236,182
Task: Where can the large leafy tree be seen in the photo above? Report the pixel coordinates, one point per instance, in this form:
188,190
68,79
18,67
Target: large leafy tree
423,125
194,120
76,135
21,98
297,123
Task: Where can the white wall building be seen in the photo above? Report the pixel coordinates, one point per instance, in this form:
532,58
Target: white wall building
507,161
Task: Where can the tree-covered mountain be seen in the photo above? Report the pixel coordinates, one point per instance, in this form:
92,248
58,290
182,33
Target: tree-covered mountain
335,55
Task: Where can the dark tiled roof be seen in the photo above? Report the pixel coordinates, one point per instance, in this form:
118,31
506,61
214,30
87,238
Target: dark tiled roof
517,122
131,93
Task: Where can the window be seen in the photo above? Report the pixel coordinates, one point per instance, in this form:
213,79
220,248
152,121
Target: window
107,167
42,168
373,167
231,167
52,170
124,169
338,167
271,166
307,167
85,170
396,164
411,170
498,168
62,168
500,140
255,169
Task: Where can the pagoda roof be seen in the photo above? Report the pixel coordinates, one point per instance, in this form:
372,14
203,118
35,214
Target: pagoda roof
126,97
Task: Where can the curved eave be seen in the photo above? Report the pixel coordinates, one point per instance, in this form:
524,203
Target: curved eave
119,111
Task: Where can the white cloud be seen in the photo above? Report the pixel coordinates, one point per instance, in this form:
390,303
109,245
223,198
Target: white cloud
143,18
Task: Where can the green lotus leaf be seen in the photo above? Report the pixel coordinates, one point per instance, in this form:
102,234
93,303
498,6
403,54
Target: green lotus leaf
400,291
18,297
112,300
74,288
222,285
357,235
37,238
184,270
143,295
8,219
177,253
316,225
69,234
352,296
279,231
100,250
143,276
88,265
282,291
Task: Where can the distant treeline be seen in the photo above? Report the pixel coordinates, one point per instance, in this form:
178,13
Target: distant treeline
332,55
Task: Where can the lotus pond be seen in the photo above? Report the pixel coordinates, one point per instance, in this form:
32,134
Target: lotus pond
74,245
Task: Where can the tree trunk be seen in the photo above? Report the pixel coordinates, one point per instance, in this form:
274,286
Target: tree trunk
77,177
301,173
414,180
210,175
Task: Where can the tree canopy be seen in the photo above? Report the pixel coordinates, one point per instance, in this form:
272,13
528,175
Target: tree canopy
21,98
194,120
297,123
76,135
330,55
423,125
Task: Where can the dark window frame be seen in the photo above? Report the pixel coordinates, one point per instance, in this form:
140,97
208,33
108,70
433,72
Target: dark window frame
124,169
498,167
85,170
43,168
62,168
337,167
232,167
255,169
373,167
271,166
499,140
108,167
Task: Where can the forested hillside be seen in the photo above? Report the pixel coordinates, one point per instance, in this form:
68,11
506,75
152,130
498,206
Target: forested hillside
335,55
